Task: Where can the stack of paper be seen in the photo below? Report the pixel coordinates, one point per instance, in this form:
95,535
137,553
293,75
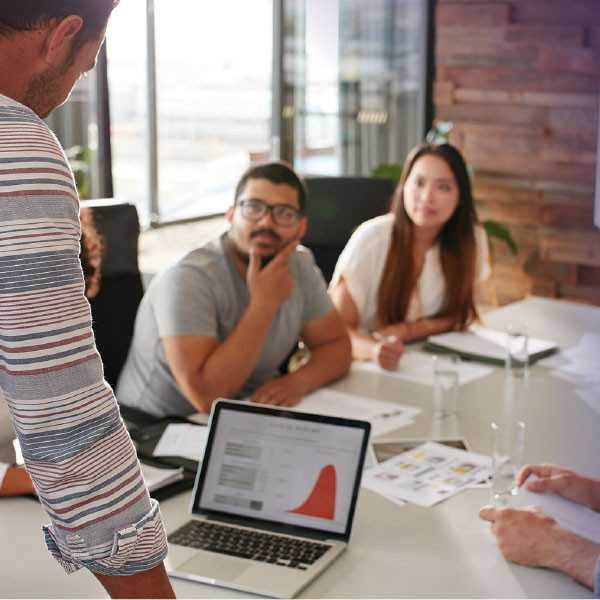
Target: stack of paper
182,439
384,416
156,478
568,514
427,474
418,368
579,366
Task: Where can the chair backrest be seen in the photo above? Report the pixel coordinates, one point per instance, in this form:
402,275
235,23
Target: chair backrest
335,207
115,306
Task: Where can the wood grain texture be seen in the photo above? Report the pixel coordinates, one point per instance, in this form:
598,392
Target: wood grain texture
520,80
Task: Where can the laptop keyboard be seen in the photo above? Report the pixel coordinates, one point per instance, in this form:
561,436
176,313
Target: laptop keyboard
290,552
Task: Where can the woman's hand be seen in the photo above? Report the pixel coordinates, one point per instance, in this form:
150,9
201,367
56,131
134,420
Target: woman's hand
387,352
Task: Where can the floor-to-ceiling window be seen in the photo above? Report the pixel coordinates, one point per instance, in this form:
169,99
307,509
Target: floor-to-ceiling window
199,89
212,67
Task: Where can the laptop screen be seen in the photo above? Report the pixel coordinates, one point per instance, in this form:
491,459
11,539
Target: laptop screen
282,466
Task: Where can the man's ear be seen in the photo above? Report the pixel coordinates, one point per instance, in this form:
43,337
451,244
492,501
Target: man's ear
60,37
229,213
302,228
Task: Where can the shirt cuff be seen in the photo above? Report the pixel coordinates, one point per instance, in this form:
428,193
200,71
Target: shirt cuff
597,579
135,548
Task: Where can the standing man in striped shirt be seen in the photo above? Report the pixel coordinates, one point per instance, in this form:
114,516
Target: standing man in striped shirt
76,449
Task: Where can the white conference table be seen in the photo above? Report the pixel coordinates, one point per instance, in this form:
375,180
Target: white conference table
408,551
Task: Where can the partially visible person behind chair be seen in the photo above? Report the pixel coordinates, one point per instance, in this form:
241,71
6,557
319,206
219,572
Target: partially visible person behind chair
91,252
220,321
412,272
530,537
14,480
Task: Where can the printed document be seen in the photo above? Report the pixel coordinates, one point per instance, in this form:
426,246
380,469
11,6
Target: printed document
579,363
156,478
182,439
568,514
418,368
427,474
384,416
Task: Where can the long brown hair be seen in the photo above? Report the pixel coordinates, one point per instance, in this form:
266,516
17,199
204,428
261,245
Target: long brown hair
457,247
92,245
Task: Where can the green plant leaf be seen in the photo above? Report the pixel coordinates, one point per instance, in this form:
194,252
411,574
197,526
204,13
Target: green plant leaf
80,158
495,230
392,172
440,133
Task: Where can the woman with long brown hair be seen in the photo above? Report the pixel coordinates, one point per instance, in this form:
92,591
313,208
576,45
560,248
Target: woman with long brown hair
412,272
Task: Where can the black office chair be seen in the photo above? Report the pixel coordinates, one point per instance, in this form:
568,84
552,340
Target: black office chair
115,306
336,206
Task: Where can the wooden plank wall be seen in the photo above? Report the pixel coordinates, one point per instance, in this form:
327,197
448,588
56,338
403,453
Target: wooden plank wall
520,80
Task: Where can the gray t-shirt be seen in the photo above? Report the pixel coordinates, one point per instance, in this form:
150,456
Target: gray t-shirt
204,295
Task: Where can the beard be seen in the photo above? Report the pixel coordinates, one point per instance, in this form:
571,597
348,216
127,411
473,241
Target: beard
43,93
245,257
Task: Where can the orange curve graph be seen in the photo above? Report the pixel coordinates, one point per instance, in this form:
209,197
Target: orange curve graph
321,500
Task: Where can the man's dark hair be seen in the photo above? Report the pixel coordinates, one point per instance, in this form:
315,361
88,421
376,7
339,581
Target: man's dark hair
275,172
29,15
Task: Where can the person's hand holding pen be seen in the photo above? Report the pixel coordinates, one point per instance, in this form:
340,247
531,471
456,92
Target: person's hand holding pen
387,351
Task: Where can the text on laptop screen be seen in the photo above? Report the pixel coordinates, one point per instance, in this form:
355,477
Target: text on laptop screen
282,469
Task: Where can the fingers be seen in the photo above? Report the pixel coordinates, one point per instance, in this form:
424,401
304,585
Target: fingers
254,262
489,513
276,393
388,353
284,254
556,483
544,470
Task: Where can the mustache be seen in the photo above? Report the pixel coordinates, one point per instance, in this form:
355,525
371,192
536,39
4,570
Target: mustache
268,231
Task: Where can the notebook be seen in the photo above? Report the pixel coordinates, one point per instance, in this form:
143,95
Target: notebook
485,345
274,499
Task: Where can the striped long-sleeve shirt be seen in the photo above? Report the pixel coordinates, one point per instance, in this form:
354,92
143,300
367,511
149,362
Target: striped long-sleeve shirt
74,444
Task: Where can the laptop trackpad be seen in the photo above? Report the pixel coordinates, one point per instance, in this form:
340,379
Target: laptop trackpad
221,567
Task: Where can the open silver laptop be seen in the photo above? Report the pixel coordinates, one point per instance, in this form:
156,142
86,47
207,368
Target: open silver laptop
274,499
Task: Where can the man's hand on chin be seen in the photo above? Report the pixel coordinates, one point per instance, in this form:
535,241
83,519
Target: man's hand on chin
279,392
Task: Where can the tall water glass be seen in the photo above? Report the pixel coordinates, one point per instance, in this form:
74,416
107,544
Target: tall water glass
445,385
508,440
517,351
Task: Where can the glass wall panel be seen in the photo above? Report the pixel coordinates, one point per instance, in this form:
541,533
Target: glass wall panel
213,93
126,58
213,98
355,78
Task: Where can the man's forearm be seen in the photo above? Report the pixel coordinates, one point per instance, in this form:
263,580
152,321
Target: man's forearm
231,362
576,557
153,583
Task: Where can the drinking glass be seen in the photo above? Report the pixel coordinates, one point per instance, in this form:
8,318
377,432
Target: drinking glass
517,355
445,385
507,455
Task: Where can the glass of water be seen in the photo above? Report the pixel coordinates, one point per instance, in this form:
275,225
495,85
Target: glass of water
445,385
517,350
507,457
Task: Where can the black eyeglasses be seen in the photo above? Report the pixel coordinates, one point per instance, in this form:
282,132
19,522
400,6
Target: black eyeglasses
284,215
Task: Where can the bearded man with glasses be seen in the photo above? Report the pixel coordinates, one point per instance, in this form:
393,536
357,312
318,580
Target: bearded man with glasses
219,323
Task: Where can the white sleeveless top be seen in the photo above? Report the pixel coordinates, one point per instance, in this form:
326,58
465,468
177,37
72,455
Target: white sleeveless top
362,261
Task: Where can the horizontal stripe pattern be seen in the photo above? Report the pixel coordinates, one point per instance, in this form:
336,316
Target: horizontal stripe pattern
74,444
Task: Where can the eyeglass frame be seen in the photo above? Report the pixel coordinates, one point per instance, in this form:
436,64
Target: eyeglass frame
269,208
